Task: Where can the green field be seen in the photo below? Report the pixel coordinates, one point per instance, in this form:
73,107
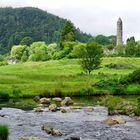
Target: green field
61,77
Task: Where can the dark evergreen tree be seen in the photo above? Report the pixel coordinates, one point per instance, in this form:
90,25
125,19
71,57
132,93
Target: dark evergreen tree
68,32
26,41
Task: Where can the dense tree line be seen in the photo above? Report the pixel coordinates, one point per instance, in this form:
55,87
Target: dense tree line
18,25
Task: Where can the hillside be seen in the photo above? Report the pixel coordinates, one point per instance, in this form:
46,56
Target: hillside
17,23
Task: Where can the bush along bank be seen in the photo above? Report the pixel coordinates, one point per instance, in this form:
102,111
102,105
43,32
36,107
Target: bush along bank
117,105
123,85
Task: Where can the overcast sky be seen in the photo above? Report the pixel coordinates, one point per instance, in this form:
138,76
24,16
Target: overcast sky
91,16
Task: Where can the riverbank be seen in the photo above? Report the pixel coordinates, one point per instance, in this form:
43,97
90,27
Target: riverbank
86,125
65,77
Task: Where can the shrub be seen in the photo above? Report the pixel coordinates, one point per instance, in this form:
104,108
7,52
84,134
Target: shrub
4,132
119,66
1,58
17,93
86,92
110,102
60,54
137,110
131,78
106,83
119,90
4,95
3,63
118,105
110,47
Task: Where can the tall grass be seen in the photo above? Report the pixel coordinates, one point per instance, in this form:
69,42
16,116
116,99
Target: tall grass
4,132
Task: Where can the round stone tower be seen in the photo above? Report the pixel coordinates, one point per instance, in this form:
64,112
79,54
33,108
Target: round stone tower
119,32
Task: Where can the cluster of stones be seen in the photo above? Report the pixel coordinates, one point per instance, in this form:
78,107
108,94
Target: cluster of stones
65,105
67,101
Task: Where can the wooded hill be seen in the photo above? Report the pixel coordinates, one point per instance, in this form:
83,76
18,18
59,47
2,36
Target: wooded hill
17,23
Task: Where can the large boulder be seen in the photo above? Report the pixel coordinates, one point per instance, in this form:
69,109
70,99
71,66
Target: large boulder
53,107
29,138
57,99
114,120
45,100
50,130
67,101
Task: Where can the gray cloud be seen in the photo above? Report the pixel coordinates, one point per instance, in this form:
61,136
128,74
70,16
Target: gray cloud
91,16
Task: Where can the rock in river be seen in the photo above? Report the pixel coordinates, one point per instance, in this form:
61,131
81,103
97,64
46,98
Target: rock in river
114,120
89,109
50,130
65,109
57,99
36,98
73,138
38,109
53,107
29,138
45,100
67,101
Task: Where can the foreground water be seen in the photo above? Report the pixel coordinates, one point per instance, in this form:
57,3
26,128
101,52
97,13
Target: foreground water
77,122
87,125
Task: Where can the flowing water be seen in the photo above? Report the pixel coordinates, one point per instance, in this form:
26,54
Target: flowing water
77,122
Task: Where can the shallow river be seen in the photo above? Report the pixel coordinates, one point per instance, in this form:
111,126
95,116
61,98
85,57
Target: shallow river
89,126
77,122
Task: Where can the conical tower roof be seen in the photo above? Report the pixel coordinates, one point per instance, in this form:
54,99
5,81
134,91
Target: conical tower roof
119,20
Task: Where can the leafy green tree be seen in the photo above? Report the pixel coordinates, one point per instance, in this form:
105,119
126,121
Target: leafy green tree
90,56
76,49
110,47
137,49
38,52
51,49
68,32
26,41
130,47
112,39
17,51
66,51
25,56
102,40
1,58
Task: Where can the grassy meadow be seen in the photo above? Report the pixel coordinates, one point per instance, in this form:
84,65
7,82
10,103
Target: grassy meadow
62,77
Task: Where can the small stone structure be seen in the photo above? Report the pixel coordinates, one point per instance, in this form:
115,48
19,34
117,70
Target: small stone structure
12,61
